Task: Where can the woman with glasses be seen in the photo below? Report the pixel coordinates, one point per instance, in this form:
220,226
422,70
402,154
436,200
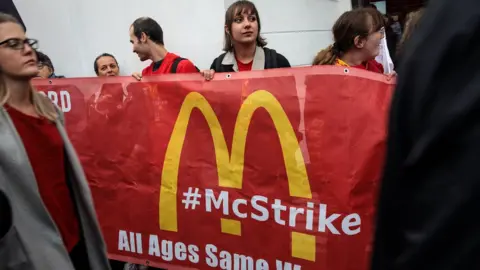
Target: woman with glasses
47,219
358,35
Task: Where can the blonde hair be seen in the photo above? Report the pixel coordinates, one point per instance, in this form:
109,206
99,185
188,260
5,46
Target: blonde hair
411,24
43,106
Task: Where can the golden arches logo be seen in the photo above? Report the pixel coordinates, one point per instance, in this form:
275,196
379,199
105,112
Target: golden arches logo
230,167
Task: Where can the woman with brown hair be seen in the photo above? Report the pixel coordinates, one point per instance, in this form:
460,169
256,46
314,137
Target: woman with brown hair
357,36
47,219
244,46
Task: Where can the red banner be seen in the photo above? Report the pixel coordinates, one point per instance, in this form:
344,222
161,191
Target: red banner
260,170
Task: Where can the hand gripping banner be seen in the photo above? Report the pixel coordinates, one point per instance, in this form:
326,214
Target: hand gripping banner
260,170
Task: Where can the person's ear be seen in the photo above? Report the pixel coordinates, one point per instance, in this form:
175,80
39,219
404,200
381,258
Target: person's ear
359,42
143,38
227,31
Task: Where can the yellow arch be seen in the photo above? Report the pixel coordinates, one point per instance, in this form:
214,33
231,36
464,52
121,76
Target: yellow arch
230,167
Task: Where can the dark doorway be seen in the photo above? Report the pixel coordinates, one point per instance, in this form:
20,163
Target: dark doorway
394,6
357,3
7,6
404,6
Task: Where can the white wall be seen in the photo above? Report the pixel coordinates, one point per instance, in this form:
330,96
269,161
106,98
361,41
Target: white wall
381,6
74,32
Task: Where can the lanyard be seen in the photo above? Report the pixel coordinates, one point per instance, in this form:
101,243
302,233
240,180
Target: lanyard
340,62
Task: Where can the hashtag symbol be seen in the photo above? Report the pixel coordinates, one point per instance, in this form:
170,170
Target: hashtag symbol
191,198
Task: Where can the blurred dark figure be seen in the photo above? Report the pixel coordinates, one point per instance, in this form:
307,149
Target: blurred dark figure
430,193
45,67
391,36
411,23
396,25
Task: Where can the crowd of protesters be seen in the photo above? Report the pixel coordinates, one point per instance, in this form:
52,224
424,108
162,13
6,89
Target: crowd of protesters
59,204
358,35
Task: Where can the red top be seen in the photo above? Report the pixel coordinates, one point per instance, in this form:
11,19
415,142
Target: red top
371,65
244,67
45,151
184,66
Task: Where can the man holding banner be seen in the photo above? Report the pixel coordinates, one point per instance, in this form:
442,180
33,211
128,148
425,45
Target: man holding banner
146,36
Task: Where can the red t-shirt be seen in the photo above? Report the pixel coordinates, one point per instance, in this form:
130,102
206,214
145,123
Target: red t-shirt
184,66
244,67
45,151
371,65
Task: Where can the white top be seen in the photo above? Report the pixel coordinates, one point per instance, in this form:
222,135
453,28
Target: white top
384,57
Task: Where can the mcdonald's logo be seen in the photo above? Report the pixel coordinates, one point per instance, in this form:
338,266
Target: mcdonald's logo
230,165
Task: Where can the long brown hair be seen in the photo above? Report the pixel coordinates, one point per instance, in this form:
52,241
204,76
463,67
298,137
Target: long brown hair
237,9
411,24
358,22
43,106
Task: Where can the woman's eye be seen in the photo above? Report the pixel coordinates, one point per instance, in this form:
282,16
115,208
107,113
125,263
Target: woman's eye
238,20
13,43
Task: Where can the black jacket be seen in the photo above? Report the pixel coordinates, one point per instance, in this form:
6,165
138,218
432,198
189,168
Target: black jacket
430,194
272,60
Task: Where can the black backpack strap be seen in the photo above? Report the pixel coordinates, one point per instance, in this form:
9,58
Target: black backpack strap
175,64
270,58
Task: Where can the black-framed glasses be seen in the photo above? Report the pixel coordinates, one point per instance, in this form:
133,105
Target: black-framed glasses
19,44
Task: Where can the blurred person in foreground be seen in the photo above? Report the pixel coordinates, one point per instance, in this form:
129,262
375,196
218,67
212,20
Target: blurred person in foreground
411,23
47,217
430,194
45,67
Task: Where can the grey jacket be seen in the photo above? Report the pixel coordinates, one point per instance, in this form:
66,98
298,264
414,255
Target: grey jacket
32,240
